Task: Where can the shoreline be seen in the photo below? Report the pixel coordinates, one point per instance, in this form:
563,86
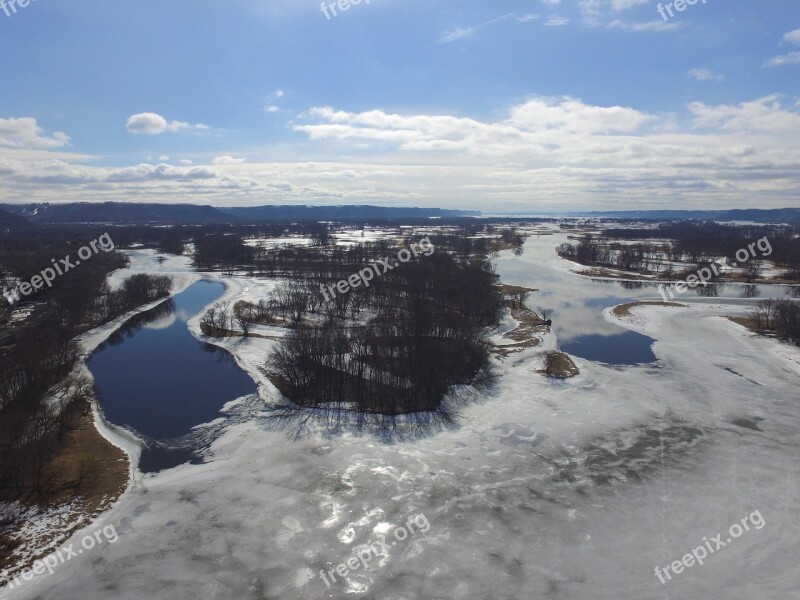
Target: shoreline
77,516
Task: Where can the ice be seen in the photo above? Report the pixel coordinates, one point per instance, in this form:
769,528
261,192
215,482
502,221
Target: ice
568,490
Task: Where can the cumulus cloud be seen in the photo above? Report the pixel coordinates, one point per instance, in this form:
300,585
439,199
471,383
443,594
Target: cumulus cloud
534,123
563,147
162,171
227,160
763,115
153,124
793,37
26,133
542,152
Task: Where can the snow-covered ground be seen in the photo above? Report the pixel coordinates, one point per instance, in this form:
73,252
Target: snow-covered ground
278,242
571,490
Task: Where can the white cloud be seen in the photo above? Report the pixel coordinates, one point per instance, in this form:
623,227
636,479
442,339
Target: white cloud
793,37
792,58
556,21
764,115
543,152
273,97
595,12
227,160
153,124
704,74
458,33
26,133
455,34
620,5
537,121
643,26
145,172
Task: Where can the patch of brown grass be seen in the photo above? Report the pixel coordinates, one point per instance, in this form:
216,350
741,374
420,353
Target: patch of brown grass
608,274
217,332
515,289
88,465
746,322
624,310
87,472
559,366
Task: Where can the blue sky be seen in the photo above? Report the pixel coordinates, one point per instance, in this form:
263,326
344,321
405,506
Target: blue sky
540,105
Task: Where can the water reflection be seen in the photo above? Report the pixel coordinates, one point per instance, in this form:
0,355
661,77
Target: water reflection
629,348
710,290
156,379
750,291
578,302
165,310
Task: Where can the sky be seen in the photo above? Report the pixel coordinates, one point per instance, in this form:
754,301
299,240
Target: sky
502,106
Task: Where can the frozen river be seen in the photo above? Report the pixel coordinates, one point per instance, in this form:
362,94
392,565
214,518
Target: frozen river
573,490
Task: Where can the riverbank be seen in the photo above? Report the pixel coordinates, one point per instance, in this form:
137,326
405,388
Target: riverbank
87,474
94,465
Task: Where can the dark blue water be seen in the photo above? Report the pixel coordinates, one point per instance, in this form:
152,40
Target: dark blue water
156,379
629,348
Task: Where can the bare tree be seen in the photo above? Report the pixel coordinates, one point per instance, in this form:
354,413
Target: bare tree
215,322
752,270
545,314
243,316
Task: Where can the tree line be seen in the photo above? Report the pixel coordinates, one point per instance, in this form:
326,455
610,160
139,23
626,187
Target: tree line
653,250
397,346
780,318
393,347
39,400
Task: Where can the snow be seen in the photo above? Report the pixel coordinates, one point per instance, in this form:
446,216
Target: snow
568,490
278,242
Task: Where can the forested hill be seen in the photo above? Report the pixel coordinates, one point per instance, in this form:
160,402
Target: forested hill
117,213
122,213
756,215
340,213
9,221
